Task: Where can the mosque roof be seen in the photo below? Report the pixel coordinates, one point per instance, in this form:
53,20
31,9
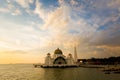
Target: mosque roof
58,51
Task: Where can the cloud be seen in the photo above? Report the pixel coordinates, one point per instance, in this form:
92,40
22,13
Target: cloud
59,22
61,15
5,10
14,52
73,2
19,36
10,8
24,3
114,4
17,12
55,24
31,1
110,36
39,10
92,26
61,1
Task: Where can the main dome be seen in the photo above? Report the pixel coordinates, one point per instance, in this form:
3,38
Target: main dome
58,51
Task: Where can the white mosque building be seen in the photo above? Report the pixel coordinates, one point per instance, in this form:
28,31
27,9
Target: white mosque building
60,60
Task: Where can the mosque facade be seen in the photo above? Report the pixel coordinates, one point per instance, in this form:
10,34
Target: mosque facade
59,59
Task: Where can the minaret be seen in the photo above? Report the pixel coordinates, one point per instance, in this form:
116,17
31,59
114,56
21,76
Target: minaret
75,54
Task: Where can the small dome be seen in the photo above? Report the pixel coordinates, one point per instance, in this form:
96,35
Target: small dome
58,51
48,53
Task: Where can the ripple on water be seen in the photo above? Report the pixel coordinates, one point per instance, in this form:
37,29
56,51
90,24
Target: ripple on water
28,72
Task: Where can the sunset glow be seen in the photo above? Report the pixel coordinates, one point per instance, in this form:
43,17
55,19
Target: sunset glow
29,29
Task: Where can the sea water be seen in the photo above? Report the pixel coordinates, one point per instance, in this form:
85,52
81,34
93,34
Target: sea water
28,72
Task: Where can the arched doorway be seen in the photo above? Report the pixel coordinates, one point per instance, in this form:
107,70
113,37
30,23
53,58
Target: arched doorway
60,60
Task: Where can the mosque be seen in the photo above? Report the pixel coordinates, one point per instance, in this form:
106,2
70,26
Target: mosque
60,60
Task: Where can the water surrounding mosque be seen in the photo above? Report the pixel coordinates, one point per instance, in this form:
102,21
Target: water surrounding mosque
28,72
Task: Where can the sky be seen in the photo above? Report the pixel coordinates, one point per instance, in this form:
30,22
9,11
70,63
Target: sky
29,29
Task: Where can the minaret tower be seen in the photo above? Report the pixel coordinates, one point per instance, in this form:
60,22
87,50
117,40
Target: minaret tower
75,54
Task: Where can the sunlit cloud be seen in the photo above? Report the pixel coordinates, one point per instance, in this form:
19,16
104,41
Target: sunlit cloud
24,3
29,27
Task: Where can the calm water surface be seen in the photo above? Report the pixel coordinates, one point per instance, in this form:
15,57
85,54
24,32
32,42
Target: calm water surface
28,72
